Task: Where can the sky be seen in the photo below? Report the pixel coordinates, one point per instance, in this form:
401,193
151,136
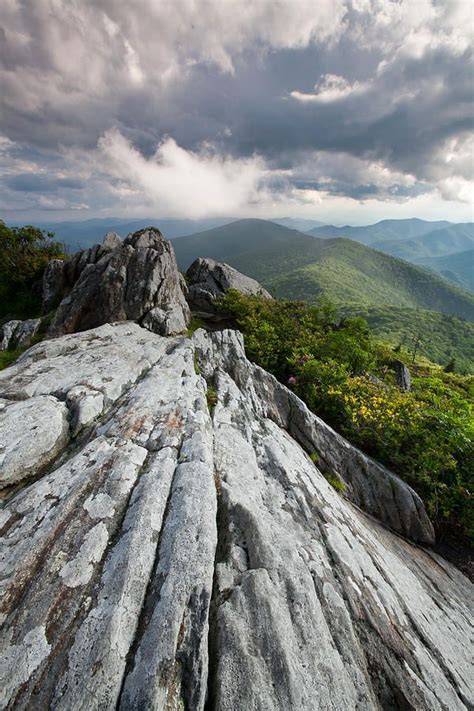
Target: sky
345,111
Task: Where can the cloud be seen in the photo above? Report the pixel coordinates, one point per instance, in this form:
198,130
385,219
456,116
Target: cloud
180,182
211,107
331,87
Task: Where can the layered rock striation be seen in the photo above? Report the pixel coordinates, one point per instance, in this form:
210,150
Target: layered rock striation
179,549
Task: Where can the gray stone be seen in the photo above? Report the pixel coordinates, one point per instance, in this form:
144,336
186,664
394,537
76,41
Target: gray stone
121,281
7,332
85,404
185,554
25,332
165,321
208,280
111,240
53,284
18,334
108,360
32,433
402,375
369,485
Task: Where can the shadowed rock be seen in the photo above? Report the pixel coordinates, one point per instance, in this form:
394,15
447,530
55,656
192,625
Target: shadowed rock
177,554
402,375
53,284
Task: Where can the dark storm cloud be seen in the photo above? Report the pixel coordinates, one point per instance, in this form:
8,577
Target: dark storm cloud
353,98
40,183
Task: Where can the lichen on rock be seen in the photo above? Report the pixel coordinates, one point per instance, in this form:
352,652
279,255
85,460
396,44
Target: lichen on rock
170,557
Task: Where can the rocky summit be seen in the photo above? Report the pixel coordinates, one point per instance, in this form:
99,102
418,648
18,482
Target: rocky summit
171,541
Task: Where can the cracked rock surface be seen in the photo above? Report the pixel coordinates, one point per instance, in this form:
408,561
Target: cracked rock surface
119,281
183,553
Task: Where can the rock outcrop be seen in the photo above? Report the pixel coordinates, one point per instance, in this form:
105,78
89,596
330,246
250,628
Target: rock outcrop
54,282
18,334
207,280
181,550
402,375
136,279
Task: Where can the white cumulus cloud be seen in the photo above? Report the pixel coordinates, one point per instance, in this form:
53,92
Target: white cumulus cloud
181,182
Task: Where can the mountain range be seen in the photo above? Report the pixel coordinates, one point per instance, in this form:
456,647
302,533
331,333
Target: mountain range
414,240
400,300
82,234
457,268
382,231
295,265
364,270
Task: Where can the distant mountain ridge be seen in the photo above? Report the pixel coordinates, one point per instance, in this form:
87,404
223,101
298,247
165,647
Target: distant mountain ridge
457,268
413,239
242,236
385,230
86,233
447,240
80,235
295,265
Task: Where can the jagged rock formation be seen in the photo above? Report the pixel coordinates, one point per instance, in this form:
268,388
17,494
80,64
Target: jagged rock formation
182,549
207,280
136,279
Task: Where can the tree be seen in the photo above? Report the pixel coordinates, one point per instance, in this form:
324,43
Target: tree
450,366
24,254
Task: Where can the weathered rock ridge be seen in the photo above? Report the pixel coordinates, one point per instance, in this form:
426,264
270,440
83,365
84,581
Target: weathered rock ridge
173,546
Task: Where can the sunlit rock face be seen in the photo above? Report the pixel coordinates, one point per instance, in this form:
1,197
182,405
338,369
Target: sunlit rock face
136,279
207,280
179,549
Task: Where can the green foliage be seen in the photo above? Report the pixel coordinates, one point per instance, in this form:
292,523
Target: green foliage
442,336
212,398
450,366
456,268
197,367
24,254
8,357
276,330
334,480
395,297
425,435
347,272
194,325
314,456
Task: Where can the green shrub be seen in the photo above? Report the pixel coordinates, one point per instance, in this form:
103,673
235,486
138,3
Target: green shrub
212,398
24,254
334,480
425,435
8,357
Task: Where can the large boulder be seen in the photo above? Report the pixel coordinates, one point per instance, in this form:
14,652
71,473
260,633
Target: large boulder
120,281
183,551
207,280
